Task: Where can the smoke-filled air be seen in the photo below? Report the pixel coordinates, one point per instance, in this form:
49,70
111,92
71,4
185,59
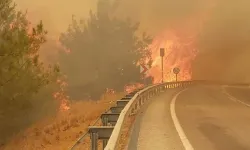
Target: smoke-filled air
213,28
63,59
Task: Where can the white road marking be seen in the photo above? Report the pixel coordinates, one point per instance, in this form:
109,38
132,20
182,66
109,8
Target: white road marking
232,97
177,125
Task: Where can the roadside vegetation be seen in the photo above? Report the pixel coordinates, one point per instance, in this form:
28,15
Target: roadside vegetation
48,106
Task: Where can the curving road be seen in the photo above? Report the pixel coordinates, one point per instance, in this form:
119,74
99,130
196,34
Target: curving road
198,118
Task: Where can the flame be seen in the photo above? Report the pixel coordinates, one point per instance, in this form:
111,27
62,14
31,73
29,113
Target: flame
179,41
131,87
110,91
61,47
61,96
179,52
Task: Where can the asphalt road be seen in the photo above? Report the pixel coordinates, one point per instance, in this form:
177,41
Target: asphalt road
199,118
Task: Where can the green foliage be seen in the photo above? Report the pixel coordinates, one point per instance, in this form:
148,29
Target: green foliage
104,52
22,75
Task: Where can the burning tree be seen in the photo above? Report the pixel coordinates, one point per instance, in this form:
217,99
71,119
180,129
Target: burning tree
104,52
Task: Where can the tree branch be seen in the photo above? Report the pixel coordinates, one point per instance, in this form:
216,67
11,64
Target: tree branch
14,75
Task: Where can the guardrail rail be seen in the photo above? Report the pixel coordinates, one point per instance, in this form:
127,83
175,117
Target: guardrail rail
134,105
114,118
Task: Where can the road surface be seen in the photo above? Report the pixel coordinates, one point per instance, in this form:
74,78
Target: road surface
199,118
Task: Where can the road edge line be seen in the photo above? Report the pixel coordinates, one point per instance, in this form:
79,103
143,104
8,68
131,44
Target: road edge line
187,145
231,97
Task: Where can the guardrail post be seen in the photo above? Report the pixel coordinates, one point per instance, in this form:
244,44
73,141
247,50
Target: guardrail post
132,111
94,140
104,143
131,103
99,133
105,121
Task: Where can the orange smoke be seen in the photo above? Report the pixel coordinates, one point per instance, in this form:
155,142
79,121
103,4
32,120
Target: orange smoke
61,47
60,94
180,46
179,52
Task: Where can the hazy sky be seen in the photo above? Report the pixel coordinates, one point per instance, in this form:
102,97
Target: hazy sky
56,14
153,14
226,32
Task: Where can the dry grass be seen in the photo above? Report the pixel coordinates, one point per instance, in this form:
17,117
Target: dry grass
125,133
61,132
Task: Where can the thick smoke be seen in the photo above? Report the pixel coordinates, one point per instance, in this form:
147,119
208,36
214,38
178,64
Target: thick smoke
154,15
158,15
56,16
222,26
224,43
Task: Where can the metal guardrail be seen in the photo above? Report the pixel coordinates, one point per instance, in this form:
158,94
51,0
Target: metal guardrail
84,135
134,105
130,105
113,142
81,138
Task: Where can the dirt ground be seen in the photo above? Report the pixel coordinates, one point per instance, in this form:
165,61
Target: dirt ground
62,131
